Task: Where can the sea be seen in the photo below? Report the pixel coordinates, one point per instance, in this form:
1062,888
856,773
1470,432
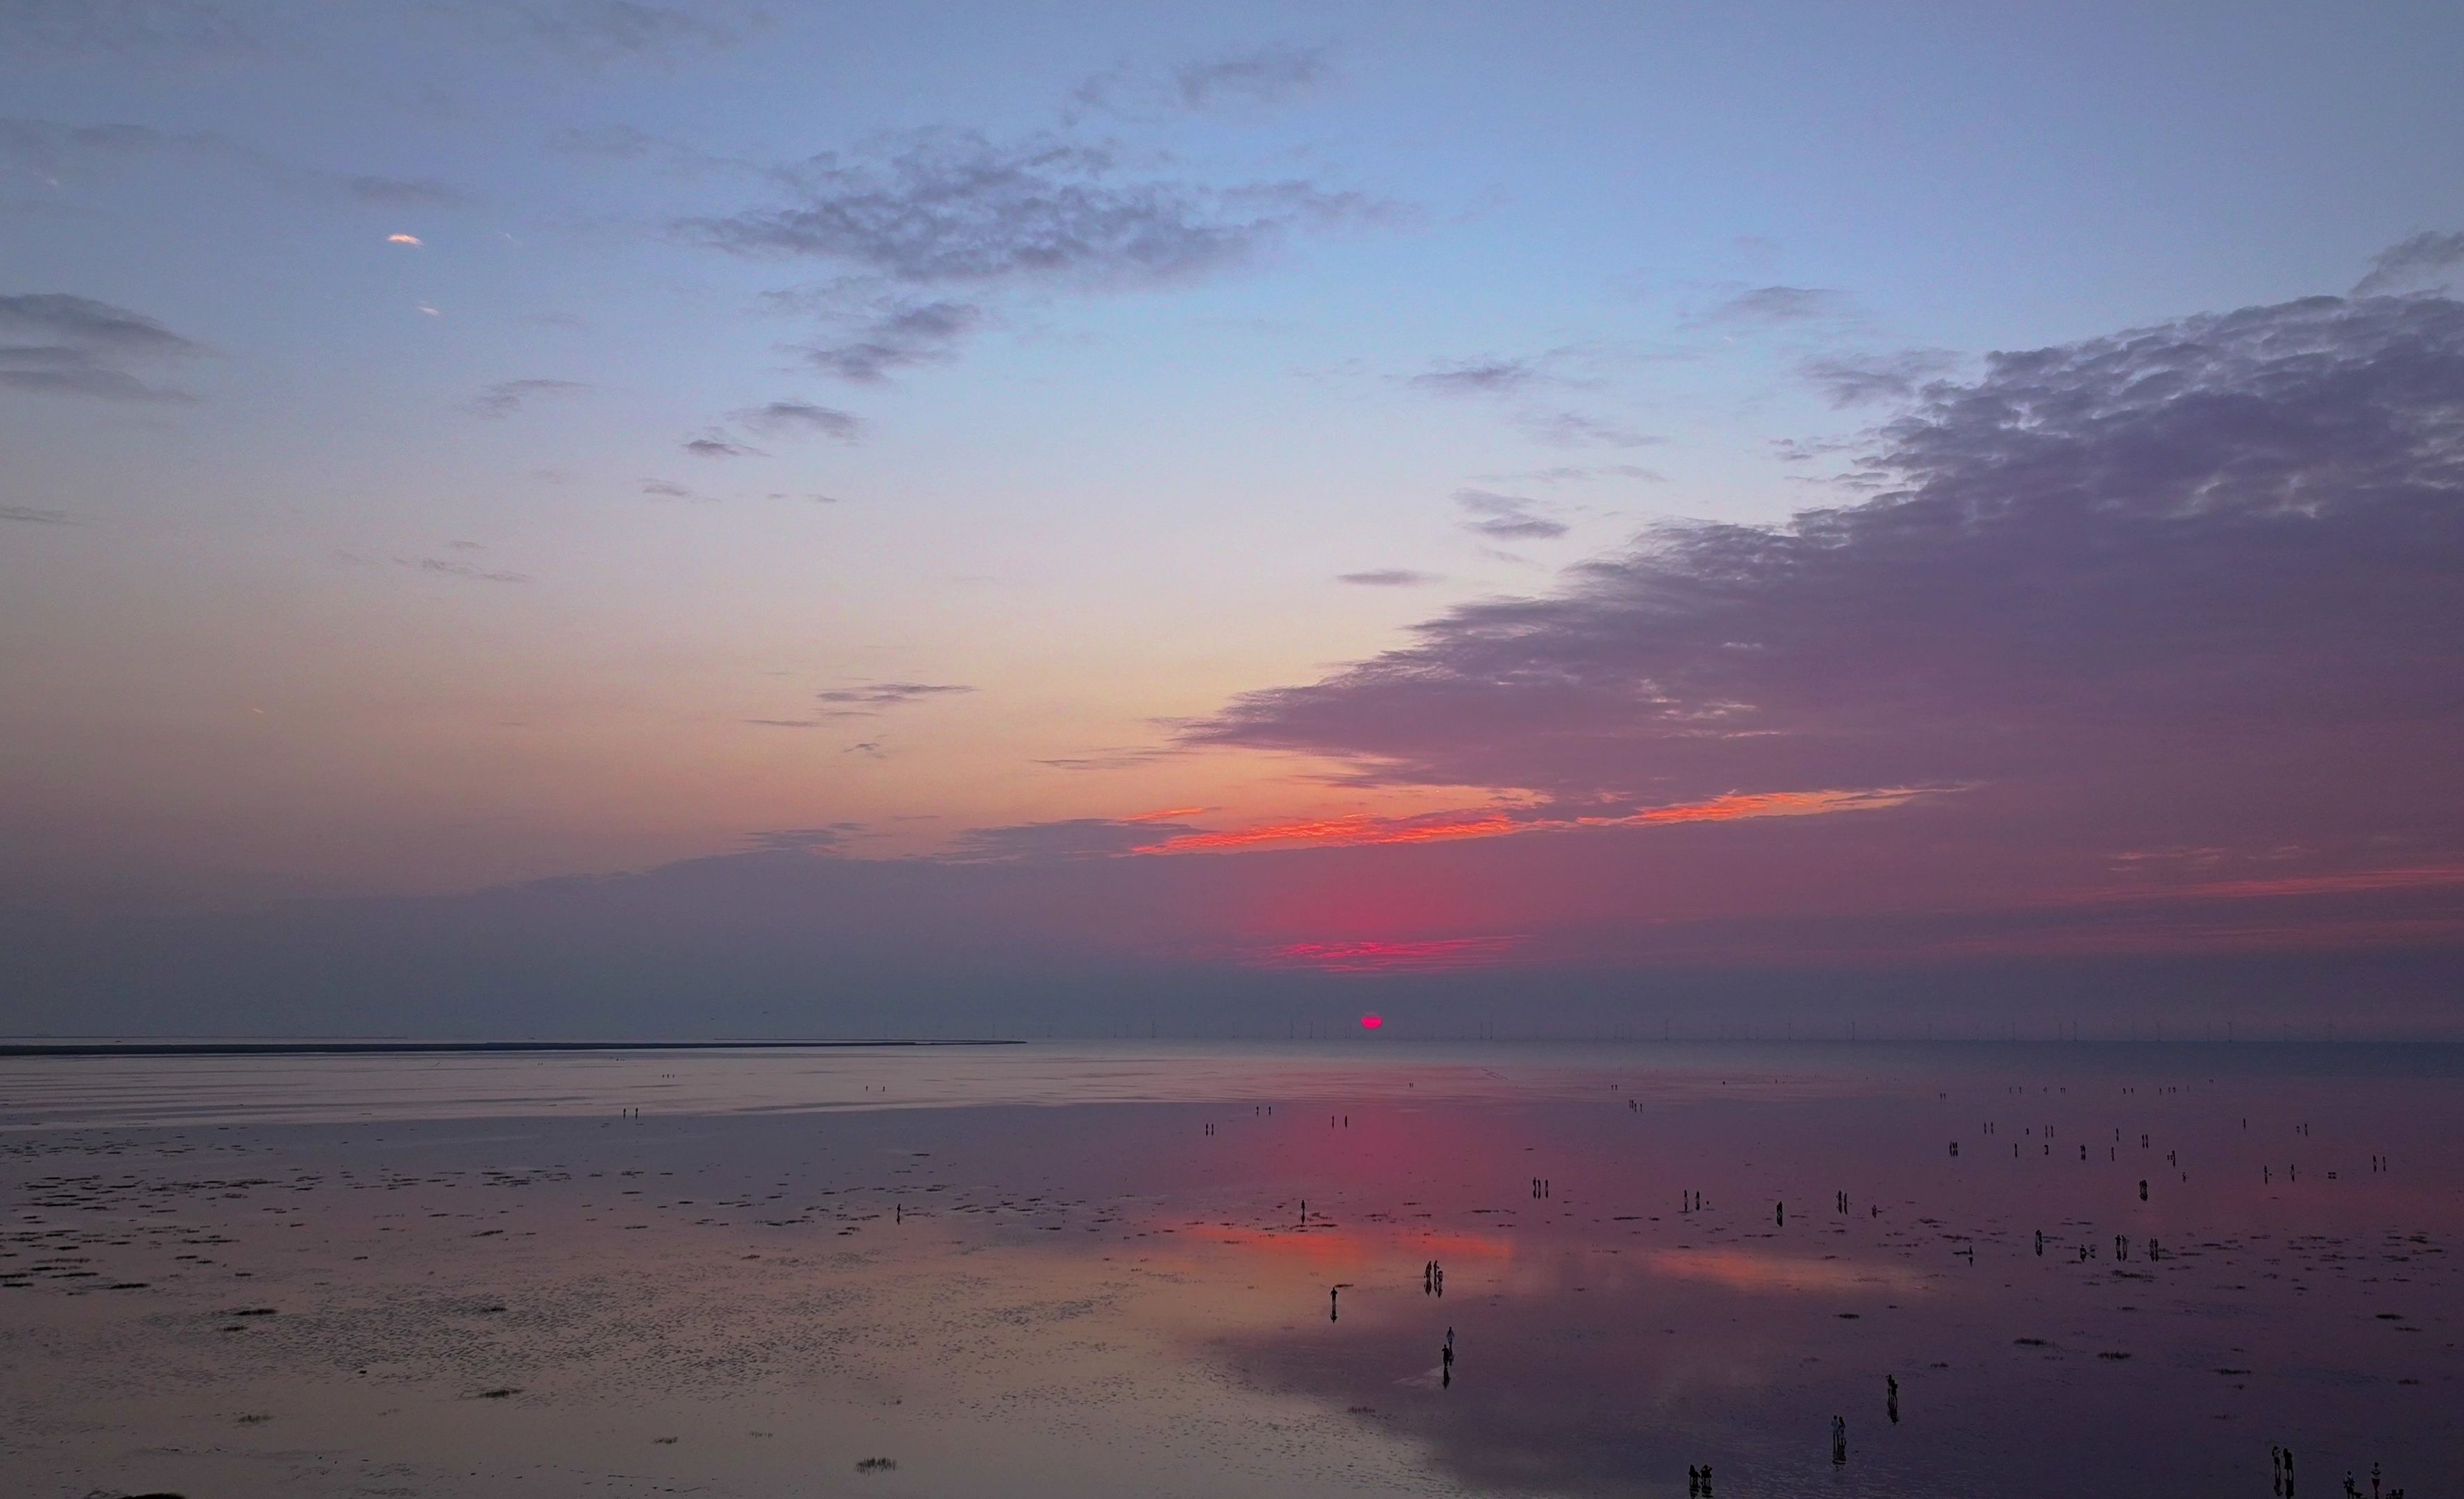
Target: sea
1373,1266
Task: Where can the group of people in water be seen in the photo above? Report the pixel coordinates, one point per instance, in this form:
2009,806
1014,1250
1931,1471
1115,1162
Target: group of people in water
2280,1460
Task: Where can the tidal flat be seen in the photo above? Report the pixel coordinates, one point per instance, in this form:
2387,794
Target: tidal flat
1069,1268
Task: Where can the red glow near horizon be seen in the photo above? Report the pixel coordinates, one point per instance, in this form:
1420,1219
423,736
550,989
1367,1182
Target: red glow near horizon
1371,1022
1373,956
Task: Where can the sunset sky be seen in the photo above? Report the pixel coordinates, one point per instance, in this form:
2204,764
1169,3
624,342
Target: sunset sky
609,517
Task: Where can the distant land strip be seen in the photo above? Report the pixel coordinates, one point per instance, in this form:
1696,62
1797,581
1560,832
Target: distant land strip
262,1048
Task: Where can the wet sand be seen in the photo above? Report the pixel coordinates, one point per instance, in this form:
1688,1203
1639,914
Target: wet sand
1064,1270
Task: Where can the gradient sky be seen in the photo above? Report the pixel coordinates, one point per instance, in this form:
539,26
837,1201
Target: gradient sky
611,516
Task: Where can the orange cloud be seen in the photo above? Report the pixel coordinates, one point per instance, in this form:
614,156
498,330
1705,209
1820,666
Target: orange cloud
1340,832
1361,828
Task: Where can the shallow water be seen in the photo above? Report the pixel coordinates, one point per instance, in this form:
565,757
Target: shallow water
1085,1269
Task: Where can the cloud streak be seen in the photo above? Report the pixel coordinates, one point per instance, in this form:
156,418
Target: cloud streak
864,702
505,397
54,344
1505,517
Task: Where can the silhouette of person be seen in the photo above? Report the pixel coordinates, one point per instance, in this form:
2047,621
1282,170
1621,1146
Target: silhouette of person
1839,1440
1891,1399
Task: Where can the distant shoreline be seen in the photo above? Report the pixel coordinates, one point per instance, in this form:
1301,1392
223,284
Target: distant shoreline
242,1048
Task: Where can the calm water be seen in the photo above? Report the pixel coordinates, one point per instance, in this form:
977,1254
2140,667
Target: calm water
1065,1269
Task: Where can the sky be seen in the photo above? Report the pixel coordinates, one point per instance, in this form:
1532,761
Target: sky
613,516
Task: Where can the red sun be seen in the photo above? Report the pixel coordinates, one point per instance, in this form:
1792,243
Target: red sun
1369,1022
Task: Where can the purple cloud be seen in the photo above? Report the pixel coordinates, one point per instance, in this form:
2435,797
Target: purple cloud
2197,581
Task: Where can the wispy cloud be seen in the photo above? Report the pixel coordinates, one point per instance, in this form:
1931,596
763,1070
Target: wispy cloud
869,344
956,208
801,418
719,445
1480,377
505,397
54,344
1272,74
601,31
29,514
1782,305
120,28
858,702
1577,430
2422,260
456,567
829,839
1387,578
1858,379
1505,517
1267,75
56,148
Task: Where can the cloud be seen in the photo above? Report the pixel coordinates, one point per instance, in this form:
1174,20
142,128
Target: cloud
669,489
1267,75
2419,261
719,445
944,208
1479,377
1073,838
1780,304
1387,578
454,568
601,31
800,418
31,515
1115,758
1576,429
120,28
506,397
2191,585
802,840
1362,829
858,702
1857,380
1572,473
1505,517
52,147
59,344
867,348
